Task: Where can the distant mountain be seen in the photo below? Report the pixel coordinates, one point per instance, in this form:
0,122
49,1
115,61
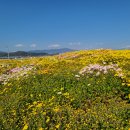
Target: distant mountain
125,48
2,52
52,51
21,54
34,53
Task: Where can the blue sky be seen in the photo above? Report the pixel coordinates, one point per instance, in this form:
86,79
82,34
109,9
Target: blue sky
77,24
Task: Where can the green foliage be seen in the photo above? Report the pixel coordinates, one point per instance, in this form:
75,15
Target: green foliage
88,103
56,96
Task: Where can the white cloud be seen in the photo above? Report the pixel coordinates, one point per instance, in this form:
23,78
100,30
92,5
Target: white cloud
127,46
19,45
99,43
74,43
54,46
33,45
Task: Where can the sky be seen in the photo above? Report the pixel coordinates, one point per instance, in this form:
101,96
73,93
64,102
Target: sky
75,24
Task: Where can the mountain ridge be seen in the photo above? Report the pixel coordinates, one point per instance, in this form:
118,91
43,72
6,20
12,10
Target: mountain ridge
34,52
52,51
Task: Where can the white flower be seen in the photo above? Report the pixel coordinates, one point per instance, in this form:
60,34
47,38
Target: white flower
59,93
104,62
90,72
98,73
77,76
119,70
120,75
105,72
88,84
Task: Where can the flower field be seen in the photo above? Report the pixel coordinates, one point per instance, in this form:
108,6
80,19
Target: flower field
81,90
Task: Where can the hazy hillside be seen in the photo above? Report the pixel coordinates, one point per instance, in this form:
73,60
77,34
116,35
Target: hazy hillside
35,52
21,54
52,51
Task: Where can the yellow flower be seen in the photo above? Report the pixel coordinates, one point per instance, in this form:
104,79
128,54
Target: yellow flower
62,89
66,95
31,95
30,106
39,105
123,84
56,109
25,127
57,126
41,128
14,112
34,112
48,119
34,102
116,75
129,96
44,113
45,71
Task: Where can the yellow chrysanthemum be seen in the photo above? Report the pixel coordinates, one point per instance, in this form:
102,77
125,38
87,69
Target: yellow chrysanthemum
39,105
25,127
57,126
129,96
56,109
48,119
44,113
